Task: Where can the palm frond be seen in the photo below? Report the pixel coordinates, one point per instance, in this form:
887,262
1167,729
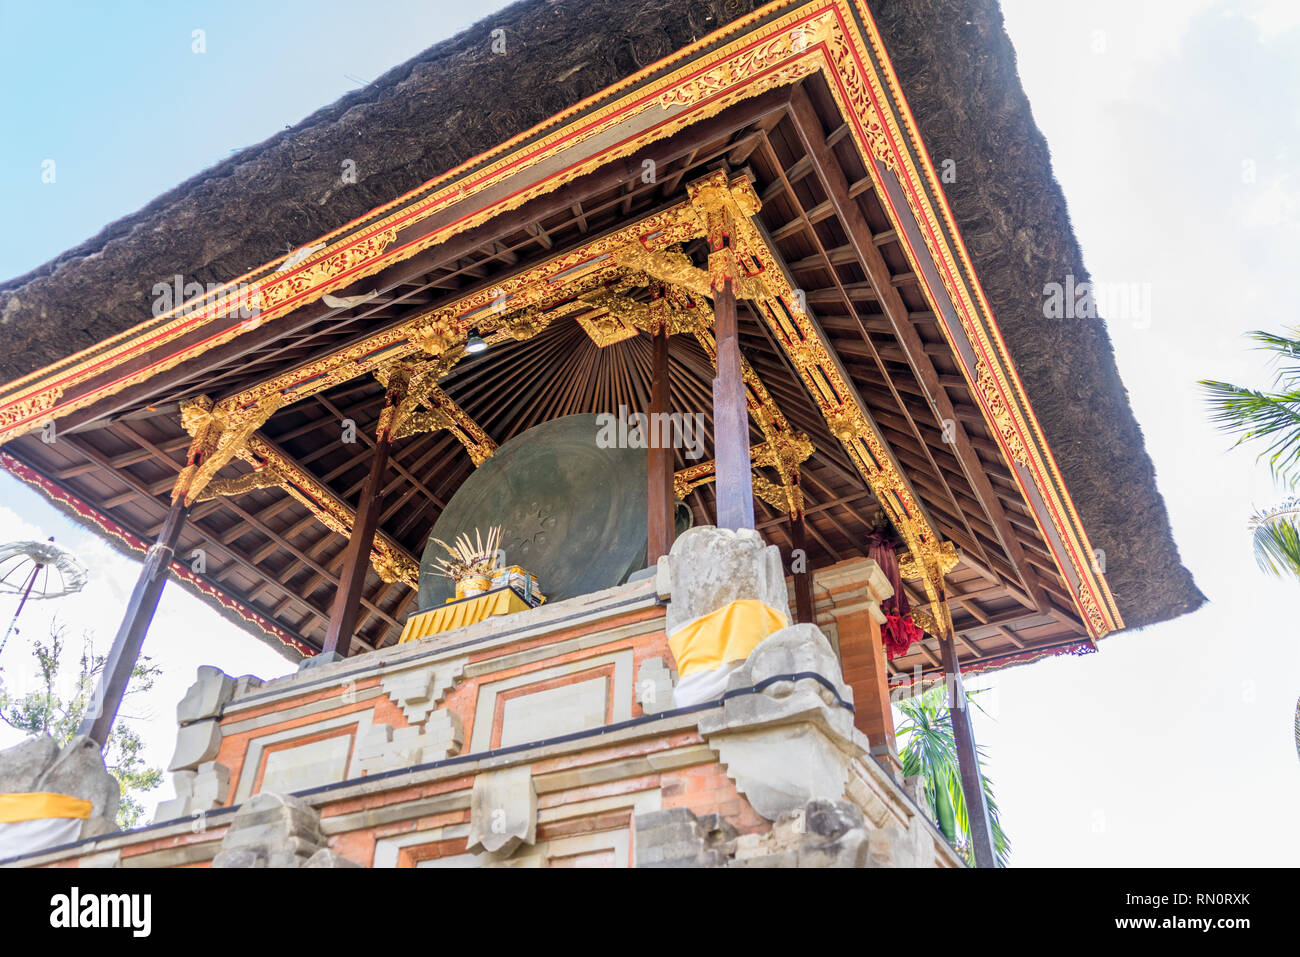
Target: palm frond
1253,415
1284,349
929,748
1277,539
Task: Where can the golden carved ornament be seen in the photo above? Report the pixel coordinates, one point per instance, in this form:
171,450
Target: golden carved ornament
940,557
1002,417
219,433
326,273
253,481
1090,610
778,496
527,324
606,330
772,63
393,567
423,420
671,266
436,336
31,407
786,451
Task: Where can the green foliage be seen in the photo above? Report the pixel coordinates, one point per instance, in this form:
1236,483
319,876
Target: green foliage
45,711
1277,540
1271,417
928,747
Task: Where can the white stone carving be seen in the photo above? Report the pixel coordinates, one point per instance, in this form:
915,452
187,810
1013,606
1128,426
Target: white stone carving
503,811
654,686
418,690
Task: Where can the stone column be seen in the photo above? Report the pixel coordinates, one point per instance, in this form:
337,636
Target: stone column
848,598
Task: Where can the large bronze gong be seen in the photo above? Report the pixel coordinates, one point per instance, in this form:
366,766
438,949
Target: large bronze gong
570,512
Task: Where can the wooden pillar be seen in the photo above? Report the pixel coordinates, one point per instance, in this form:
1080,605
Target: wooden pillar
733,483
803,575
356,558
659,500
735,486
122,657
972,783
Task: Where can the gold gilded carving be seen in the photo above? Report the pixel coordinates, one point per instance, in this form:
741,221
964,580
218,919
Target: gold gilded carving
1090,610
326,273
417,384
671,266
30,407
241,484
676,311
785,452
1002,418
605,330
218,433
770,64
527,324
436,335
420,421
941,557
394,567
779,497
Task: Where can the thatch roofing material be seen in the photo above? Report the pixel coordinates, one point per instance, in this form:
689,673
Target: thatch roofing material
958,71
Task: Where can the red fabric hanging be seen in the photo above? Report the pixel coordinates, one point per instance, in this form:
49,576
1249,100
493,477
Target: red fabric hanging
899,630
898,633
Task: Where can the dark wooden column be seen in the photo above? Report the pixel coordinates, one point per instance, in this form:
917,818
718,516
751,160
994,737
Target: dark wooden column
659,500
122,657
356,558
803,580
972,783
735,486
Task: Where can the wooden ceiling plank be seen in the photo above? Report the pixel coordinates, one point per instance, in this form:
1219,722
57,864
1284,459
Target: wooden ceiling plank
808,125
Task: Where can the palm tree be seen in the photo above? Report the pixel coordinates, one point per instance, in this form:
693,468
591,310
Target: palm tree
1271,416
929,748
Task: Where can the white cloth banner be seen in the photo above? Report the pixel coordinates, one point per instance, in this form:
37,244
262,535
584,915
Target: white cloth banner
26,837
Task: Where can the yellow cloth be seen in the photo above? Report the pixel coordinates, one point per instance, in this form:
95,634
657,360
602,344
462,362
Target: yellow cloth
728,634
461,613
40,804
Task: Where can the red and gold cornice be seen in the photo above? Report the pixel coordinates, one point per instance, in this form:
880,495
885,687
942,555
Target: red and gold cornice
775,46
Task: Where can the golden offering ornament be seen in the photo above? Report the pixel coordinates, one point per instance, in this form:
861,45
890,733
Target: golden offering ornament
471,564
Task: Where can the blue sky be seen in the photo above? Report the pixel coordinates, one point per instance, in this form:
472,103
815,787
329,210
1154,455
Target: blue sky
1173,127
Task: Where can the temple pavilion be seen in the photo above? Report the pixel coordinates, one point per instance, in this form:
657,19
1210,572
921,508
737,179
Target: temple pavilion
821,230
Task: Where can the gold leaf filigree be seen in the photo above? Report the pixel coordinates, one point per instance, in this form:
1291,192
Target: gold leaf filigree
1003,421
241,484
328,272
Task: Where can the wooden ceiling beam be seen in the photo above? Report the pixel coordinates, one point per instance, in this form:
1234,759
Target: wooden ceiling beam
808,126
895,399
393,277
192,528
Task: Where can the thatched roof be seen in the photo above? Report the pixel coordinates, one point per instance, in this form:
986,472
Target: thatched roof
454,101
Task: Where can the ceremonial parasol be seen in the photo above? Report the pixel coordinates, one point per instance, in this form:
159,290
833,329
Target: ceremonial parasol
37,570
